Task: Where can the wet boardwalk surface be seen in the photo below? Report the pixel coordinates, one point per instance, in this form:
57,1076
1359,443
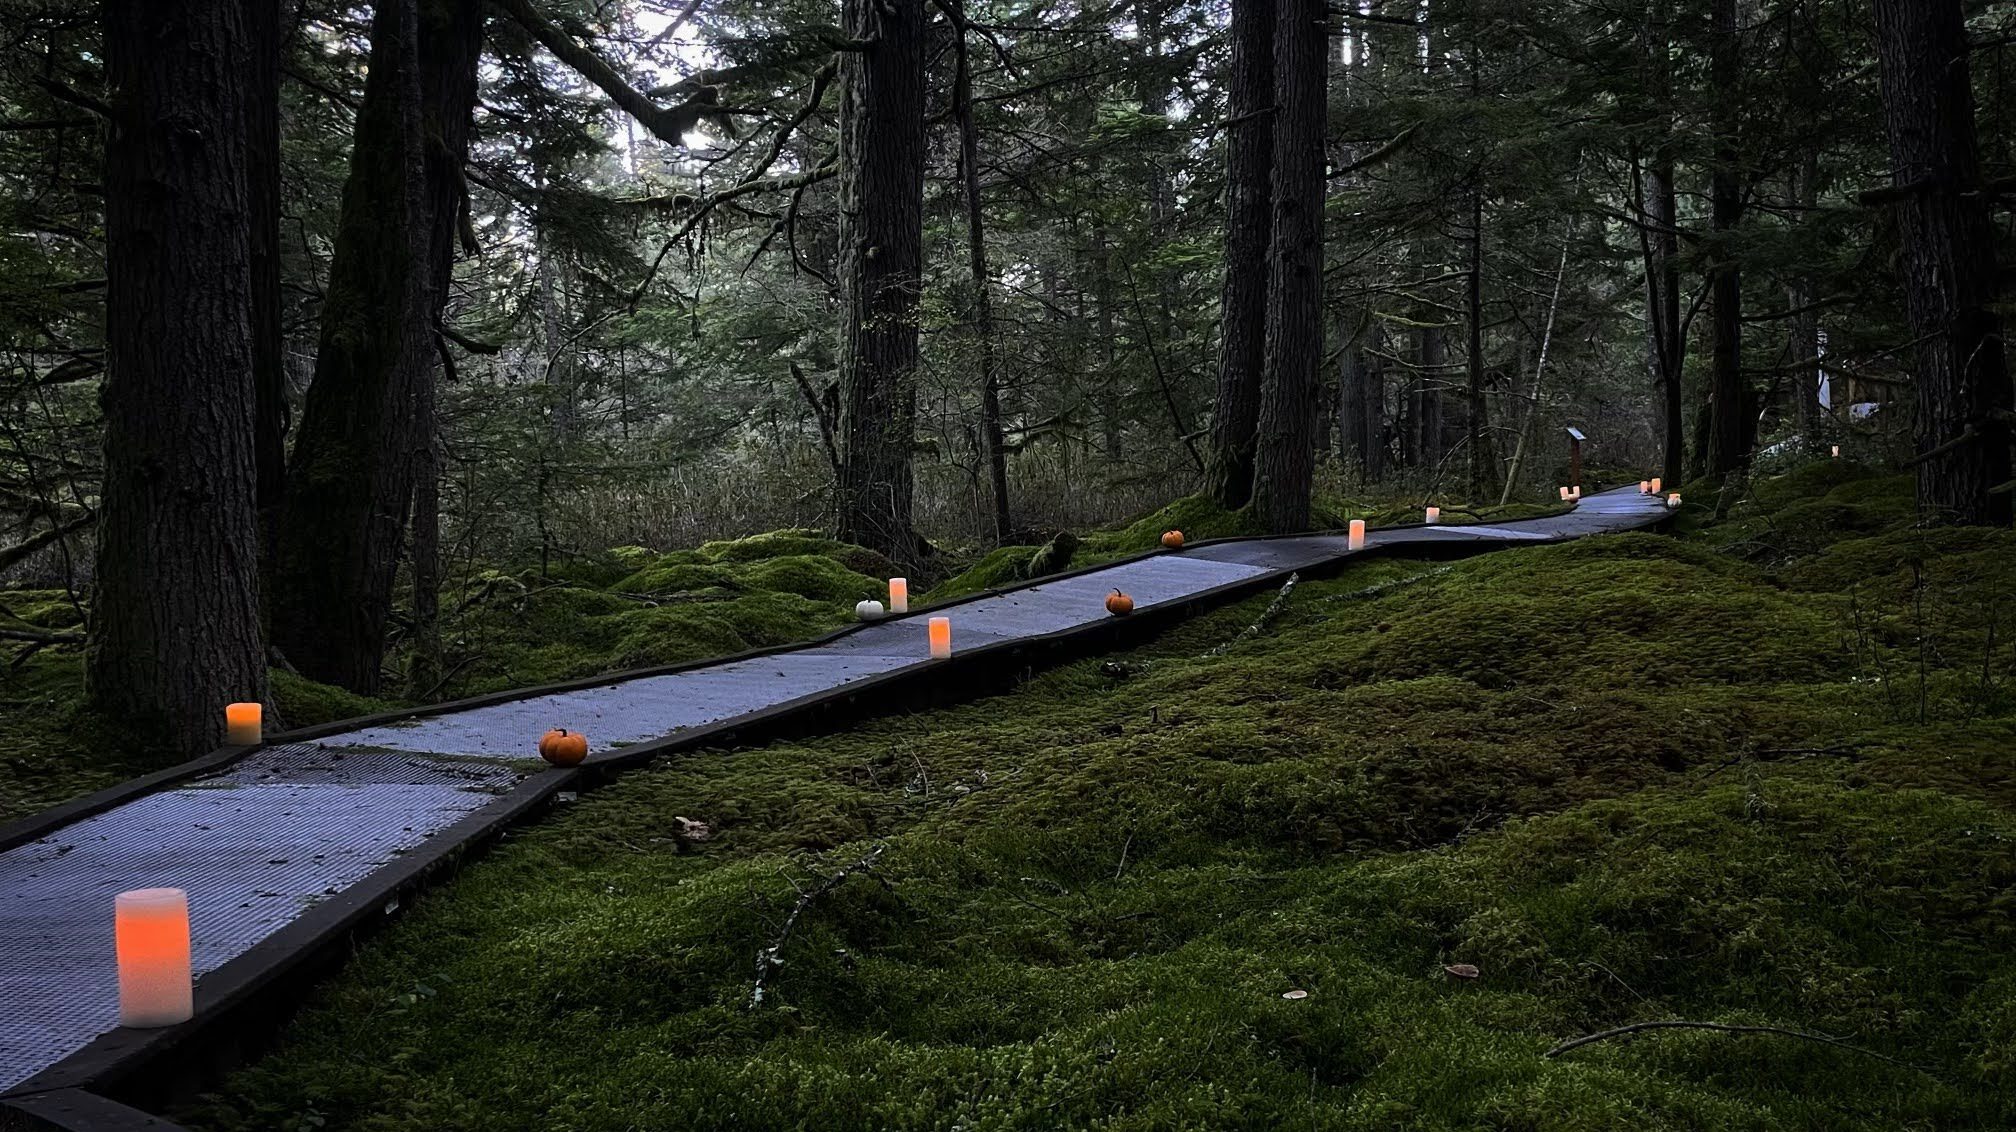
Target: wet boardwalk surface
262,842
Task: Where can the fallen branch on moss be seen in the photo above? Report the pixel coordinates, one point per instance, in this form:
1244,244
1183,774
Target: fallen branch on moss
1267,616
1381,589
1721,1028
769,959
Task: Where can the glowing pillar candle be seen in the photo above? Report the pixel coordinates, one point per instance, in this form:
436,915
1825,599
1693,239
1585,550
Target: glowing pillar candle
1564,495
241,724
1673,501
1644,487
1837,451
899,595
1575,492
1655,485
1434,515
941,638
151,938
1357,540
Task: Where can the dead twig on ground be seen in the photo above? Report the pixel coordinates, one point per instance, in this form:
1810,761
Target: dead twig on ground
1274,609
770,958
1722,1028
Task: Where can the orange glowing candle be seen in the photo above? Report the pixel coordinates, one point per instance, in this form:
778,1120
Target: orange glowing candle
899,595
1655,485
941,638
1644,487
151,937
1357,540
241,724
1434,515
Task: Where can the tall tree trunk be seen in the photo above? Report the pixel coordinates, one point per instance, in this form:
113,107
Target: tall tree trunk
1660,240
991,438
1433,357
349,490
1728,399
1374,380
269,346
1284,462
1805,326
175,618
1242,335
1964,395
1483,457
1353,436
881,264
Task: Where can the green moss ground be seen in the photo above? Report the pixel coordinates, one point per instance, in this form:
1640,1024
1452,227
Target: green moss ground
1633,778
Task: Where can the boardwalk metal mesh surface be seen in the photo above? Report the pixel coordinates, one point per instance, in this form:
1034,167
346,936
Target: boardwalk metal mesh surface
253,846
260,842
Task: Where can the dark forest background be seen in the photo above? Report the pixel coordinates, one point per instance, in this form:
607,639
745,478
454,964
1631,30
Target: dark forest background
312,312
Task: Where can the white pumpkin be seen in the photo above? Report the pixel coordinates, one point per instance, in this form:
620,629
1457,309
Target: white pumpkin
868,610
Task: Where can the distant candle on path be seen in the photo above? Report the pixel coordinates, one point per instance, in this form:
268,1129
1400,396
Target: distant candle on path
941,638
241,724
1434,515
899,595
151,939
1357,540
1644,487
1564,495
1837,451
1655,485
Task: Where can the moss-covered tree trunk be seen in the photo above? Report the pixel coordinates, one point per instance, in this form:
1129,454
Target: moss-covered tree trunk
175,617
1242,336
881,266
1964,397
361,443
1284,459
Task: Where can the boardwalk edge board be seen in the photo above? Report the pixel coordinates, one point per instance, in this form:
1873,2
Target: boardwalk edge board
247,995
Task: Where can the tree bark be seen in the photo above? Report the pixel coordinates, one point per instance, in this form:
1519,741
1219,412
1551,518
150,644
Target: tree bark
1805,326
881,264
1728,400
269,345
1433,356
175,617
1354,431
350,486
1660,240
1284,461
991,437
1483,458
1964,395
1242,336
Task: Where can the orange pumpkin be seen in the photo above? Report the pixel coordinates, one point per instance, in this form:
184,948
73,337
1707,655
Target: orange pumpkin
562,747
1172,539
1119,604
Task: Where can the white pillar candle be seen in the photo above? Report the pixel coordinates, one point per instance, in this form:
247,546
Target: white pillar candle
1644,487
941,637
1434,515
241,724
899,595
1564,495
1575,492
151,938
1655,485
1837,451
1357,539
1673,501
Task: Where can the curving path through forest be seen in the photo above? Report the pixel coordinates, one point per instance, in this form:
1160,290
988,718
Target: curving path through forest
285,849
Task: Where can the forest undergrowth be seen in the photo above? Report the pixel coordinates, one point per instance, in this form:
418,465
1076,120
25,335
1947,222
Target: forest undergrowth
1369,868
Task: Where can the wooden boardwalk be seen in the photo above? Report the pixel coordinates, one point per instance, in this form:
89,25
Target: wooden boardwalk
286,847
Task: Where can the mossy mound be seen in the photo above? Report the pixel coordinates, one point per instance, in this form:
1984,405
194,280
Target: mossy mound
1629,779
1197,516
